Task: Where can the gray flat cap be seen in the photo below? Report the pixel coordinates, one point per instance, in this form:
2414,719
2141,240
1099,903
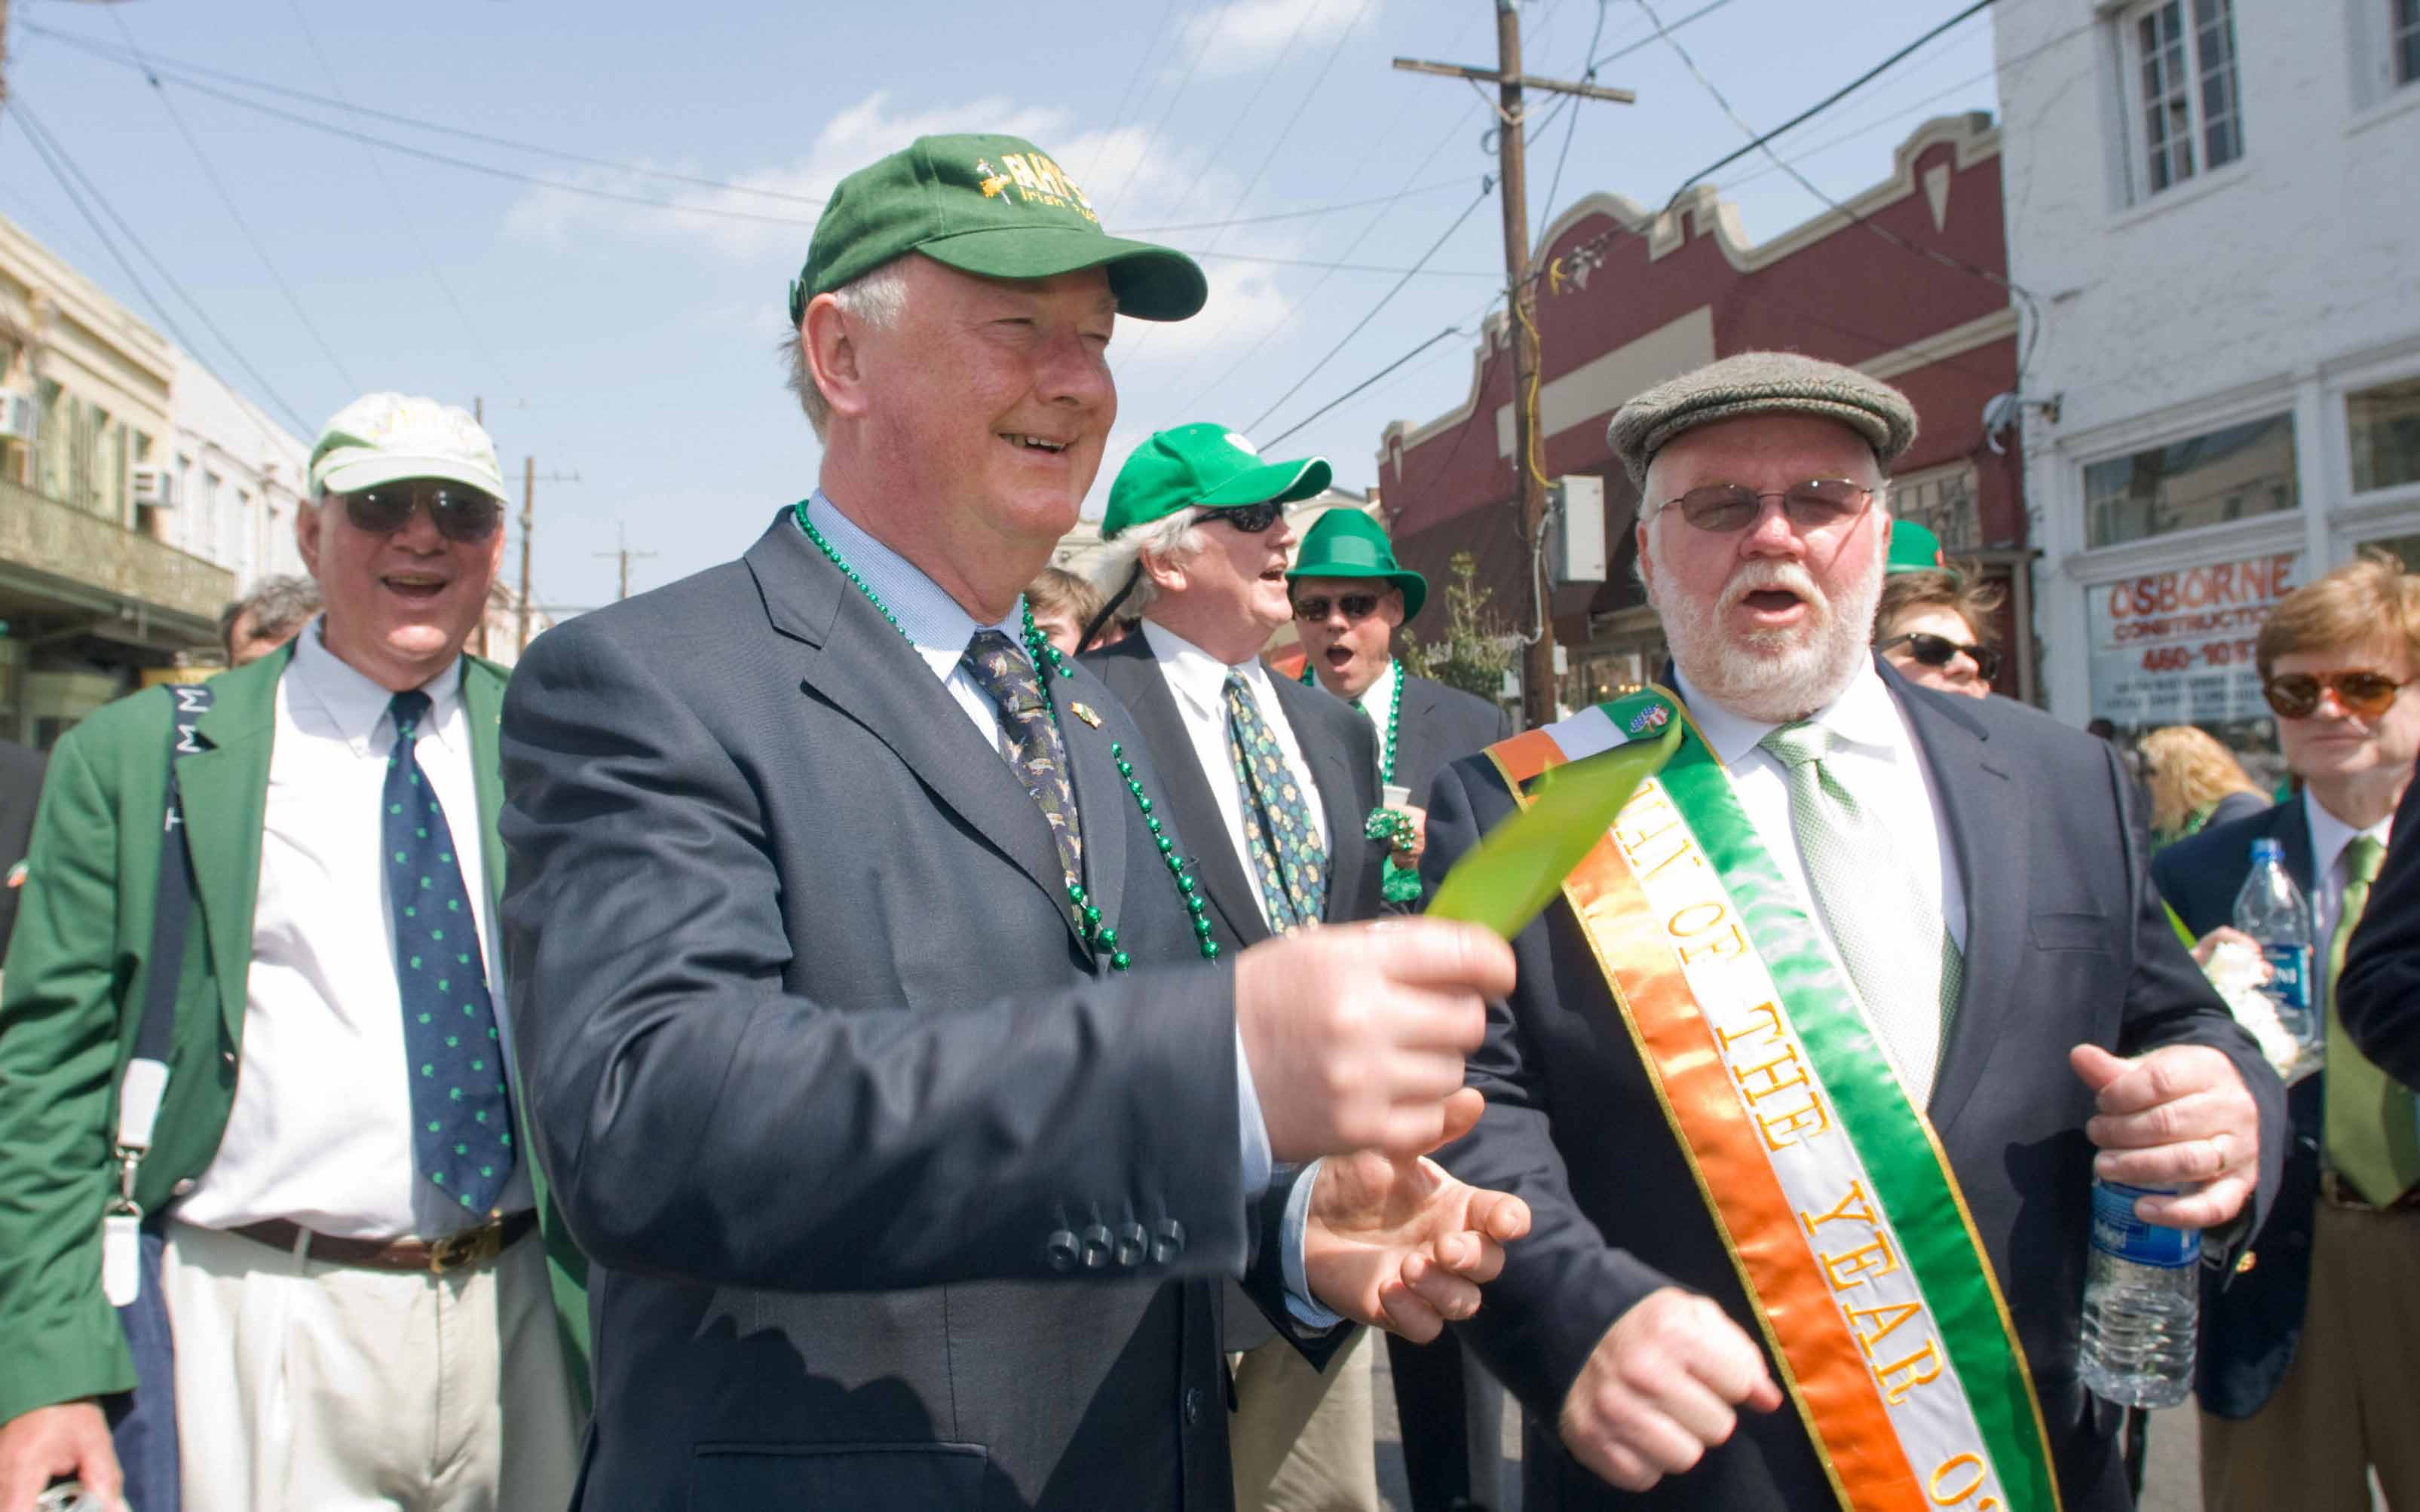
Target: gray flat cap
1761,383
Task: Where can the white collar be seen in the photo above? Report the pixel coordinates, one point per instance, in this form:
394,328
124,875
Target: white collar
1863,716
935,623
356,705
1201,678
1379,696
2330,835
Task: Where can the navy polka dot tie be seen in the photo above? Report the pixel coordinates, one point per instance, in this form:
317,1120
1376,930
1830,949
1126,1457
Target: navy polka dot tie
461,1115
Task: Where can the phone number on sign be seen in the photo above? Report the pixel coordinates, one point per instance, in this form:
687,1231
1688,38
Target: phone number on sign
2209,653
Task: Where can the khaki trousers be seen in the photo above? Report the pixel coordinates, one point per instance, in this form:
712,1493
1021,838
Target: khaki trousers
1304,1440
2350,1399
304,1387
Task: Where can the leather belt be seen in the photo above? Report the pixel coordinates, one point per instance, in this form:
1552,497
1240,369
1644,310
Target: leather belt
2338,1193
437,1257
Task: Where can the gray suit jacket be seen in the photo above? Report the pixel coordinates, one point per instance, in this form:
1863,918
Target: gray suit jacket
897,1195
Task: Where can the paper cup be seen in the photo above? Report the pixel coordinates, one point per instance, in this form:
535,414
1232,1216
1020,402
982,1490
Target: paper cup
1397,797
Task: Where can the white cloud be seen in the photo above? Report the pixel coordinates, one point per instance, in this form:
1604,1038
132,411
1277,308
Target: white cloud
1249,34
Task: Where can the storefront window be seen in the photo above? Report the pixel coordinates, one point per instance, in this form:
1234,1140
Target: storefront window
2176,647
2385,424
2228,475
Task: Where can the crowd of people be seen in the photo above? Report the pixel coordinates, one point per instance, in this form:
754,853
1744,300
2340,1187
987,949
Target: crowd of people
883,1023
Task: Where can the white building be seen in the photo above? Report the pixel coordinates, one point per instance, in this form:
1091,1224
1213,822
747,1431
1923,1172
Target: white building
228,485
2210,201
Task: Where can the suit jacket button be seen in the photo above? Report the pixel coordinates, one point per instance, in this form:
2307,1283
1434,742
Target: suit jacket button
181,1188
1167,1242
1097,1242
1133,1245
1192,1406
1060,1250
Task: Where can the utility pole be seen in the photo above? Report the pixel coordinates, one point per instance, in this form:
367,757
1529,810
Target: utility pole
529,500
1538,660
622,552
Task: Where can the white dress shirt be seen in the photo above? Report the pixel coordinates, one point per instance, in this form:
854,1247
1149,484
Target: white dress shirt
320,1133
1378,701
2329,837
939,629
1198,680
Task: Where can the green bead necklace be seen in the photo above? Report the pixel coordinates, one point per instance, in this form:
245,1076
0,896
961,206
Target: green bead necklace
1098,931
1389,828
1394,722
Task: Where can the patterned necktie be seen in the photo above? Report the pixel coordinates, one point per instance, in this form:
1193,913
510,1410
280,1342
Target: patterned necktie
461,1115
1876,913
2370,1137
1287,858
1028,741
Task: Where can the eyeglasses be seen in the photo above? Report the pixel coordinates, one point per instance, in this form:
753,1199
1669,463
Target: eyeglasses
1251,519
2362,692
1813,505
1939,651
462,514
1356,607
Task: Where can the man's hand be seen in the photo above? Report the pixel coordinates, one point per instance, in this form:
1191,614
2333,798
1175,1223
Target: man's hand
2180,1116
1400,1244
2226,934
70,1439
1661,1388
1407,854
1355,1033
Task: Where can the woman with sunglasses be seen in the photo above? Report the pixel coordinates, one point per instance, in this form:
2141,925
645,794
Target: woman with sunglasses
1935,626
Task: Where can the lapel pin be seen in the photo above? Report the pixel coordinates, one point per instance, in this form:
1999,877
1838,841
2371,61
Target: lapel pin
1084,712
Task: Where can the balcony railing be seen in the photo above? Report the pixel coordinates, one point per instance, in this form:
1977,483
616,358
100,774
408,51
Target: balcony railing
45,535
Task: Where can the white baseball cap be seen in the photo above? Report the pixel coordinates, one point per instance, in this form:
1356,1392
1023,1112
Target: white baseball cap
385,438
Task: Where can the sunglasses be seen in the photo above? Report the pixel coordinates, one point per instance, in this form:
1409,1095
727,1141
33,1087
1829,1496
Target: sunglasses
2361,692
1813,505
461,515
1356,607
1251,519
1939,651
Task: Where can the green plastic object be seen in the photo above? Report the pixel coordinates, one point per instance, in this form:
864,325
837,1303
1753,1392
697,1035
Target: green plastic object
1519,868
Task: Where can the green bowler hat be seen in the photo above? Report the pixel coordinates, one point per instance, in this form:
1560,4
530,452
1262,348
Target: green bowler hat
1913,548
1204,465
1347,543
996,207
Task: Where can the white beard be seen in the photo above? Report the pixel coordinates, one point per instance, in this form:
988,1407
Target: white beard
1771,676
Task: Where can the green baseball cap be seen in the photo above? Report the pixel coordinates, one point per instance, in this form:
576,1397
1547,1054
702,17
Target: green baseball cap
1204,465
1347,543
996,207
1913,548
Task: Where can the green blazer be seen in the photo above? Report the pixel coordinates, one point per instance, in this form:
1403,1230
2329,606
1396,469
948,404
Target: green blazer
76,974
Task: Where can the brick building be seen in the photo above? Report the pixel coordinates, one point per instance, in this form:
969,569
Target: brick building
1627,298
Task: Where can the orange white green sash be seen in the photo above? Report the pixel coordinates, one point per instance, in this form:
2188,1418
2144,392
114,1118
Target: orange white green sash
1831,1194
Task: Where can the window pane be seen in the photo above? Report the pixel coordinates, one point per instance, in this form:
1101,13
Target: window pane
2234,473
2167,105
2407,40
2385,424
2214,40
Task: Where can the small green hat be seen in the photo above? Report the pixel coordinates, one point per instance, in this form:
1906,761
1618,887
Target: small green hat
1347,543
1913,548
995,207
1207,465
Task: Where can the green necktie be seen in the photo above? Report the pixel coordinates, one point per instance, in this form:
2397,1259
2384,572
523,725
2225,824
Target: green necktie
1282,842
2372,1139
1875,911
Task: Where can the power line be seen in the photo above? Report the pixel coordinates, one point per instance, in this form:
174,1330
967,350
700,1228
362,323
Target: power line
1449,331
410,226
1933,255
1415,271
235,212
48,145
1151,139
1336,209
1619,53
1546,217
172,66
1308,96
1127,96
1487,187
1761,139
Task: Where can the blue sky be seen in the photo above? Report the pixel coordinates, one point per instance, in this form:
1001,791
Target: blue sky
634,344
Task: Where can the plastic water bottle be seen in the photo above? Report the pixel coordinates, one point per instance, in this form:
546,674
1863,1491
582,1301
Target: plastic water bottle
2273,912
2141,1299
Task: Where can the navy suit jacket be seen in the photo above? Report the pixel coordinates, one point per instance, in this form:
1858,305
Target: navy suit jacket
1441,726
2379,998
897,1195
2251,1322
2066,943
